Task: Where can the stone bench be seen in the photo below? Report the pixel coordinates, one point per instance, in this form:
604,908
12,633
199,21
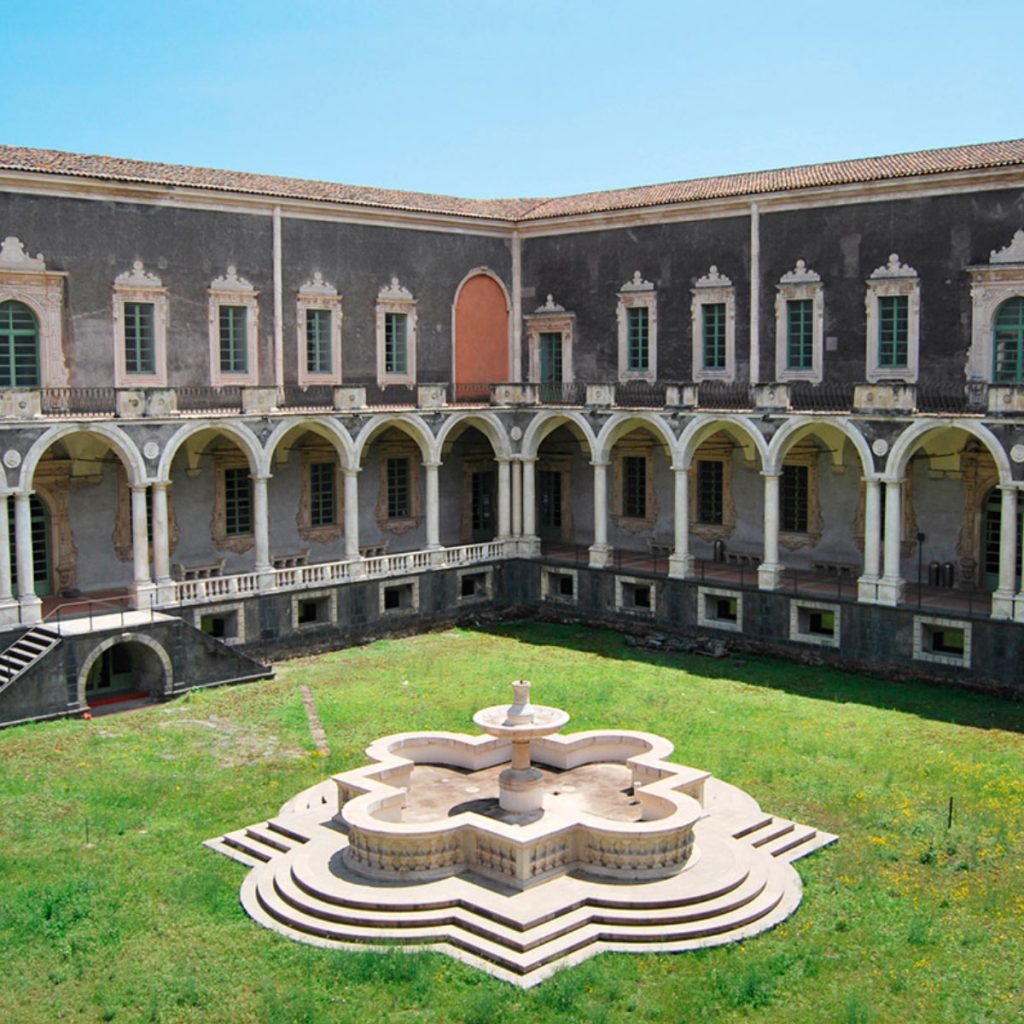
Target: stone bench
374,550
292,561
197,572
743,558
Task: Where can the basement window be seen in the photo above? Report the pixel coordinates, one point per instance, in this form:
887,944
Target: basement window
399,597
224,622
943,641
477,584
812,622
313,608
559,585
634,595
720,609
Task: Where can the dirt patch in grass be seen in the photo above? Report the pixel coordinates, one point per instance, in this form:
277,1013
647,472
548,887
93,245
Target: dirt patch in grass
234,744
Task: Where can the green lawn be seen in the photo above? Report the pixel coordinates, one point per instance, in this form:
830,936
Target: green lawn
110,909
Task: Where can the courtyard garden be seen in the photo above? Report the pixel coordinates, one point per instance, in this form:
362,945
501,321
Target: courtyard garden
112,910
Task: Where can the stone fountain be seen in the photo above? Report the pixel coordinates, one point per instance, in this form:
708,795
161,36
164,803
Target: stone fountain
520,849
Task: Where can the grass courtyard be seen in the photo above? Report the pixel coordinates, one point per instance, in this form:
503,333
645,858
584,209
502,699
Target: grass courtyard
111,910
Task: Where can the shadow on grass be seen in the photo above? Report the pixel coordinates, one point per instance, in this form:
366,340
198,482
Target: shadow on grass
820,682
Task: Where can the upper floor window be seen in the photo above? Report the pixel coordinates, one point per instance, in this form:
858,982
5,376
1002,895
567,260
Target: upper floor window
634,486
140,329
237,501
637,316
233,317
323,494
19,346
892,306
396,335
319,333
713,316
549,336
997,296
30,294
1008,343
793,496
710,491
398,502
799,324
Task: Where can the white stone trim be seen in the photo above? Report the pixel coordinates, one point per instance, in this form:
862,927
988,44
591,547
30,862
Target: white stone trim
798,630
991,285
394,298
202,611
800,283
139,285
621,605
232,290
893,279
25,279
318,294
922,652
713,289
637,294
550,318
712,621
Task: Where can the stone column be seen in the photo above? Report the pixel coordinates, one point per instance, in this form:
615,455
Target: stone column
867,585
769,572
530,544
680,563
600,552
504,499
890,586
8,603
433,510
1003,597
142,583
261,530
517,498
351,500
31,605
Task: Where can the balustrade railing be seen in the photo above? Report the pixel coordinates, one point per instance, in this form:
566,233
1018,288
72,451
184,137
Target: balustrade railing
825,397
561,393
941,398
640,394
201,398
313,396
78,401
718,394
470,393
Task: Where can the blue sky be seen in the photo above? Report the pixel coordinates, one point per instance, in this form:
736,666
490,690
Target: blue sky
501,99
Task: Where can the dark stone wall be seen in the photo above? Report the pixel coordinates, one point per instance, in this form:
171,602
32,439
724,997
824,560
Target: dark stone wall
585,271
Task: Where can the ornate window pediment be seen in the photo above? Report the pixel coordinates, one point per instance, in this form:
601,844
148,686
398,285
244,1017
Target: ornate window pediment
637,318
892,303
799,324
140,329
550,357
713,326
396,335
234,330
993,284
318,341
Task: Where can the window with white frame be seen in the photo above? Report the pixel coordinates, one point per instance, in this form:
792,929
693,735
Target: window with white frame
234,325
713,319
32,305
892,304
637,316
318,323
396,335
549,334
997,309
799,324
140,329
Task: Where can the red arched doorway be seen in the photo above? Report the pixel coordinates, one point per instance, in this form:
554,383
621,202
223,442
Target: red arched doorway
481,337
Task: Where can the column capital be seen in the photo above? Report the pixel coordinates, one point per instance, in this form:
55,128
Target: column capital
771,474
519,457
431,465
600,463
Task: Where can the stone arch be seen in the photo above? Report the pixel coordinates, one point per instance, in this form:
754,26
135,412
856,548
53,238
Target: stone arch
329,429
545,422
482,308
912,438
411,424
801,426
486,422
160,657
240,433
623,423
701,427
121,444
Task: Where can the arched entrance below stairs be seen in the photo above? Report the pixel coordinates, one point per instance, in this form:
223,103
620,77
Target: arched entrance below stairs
122,667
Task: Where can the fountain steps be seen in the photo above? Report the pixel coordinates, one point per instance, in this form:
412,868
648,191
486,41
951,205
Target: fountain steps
786,839
260,843
763,898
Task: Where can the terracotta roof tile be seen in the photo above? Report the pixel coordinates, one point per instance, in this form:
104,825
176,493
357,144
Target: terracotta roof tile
881,168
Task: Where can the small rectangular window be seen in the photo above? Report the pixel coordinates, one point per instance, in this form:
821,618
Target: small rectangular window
398,489
139,337
396,343
800,334
551,357
234,347
637,338
237,501
710,491
713,331
634,486
793,499
318,341
893,321
310,610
